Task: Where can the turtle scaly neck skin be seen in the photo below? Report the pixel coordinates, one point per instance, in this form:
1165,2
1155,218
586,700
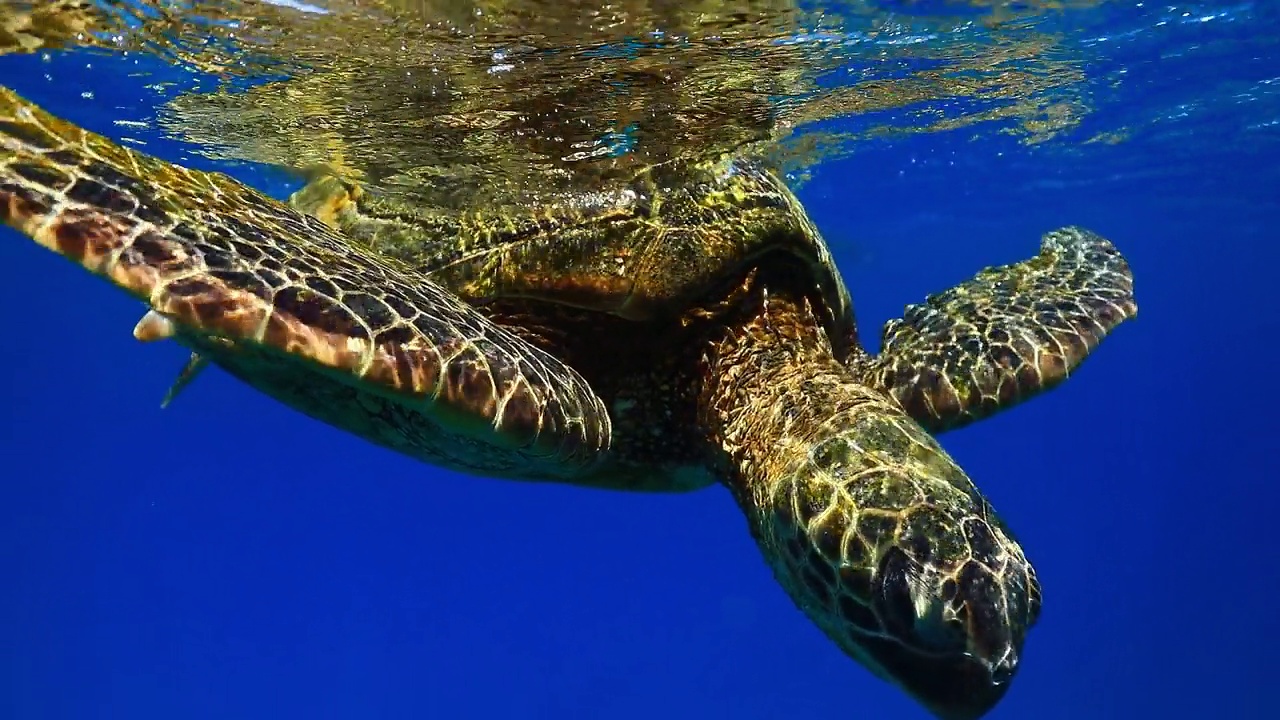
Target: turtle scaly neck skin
877,535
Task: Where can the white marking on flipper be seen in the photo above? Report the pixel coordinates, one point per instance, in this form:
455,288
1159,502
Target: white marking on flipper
153,326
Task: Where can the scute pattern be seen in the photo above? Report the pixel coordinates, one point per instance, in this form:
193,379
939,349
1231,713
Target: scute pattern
644,249
1008,334
240,274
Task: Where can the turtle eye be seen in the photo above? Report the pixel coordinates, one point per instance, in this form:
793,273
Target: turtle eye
912,607
892,599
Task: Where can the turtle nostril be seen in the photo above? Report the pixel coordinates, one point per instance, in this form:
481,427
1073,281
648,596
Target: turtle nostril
1003,667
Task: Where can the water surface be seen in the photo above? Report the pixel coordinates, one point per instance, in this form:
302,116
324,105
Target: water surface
229,558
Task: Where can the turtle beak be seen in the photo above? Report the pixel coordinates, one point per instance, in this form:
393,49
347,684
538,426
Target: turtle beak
957,637
967,688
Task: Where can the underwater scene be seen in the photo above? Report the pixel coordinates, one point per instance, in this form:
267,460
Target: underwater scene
562,359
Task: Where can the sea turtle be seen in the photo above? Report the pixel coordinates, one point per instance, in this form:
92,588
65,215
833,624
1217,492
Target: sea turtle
688,329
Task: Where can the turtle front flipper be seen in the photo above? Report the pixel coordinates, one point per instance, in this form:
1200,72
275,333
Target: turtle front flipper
281,301
1008,334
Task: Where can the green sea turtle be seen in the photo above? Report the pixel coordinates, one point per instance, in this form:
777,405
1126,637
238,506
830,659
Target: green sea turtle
686,329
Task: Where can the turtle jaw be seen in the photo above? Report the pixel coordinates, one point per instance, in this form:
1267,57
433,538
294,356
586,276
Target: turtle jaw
930,595
962,689
952,640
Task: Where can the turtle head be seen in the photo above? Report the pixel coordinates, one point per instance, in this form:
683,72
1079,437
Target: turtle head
906,567
868,524
947,622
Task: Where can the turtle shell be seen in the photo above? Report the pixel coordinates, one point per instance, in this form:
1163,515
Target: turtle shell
645,249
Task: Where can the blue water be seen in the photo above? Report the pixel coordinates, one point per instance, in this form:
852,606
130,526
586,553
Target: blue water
229,558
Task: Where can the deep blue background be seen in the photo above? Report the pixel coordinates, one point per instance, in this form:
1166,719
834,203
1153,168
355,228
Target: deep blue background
229,558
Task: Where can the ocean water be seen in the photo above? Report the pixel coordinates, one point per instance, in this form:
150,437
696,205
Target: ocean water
229,558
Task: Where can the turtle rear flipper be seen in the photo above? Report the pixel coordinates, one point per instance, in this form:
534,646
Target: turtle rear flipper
283,302
1008,334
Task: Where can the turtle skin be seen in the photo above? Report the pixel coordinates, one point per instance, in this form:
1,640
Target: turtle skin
866,521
